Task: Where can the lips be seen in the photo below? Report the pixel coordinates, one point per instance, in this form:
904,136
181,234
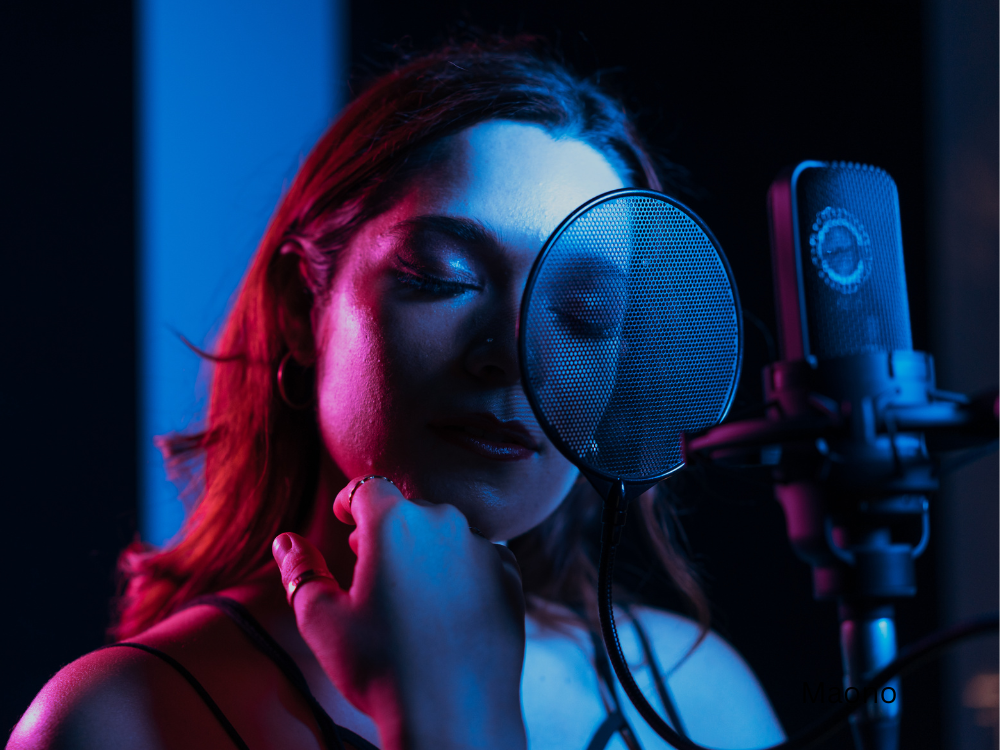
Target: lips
487,436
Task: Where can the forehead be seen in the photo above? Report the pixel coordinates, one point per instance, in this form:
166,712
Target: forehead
517,180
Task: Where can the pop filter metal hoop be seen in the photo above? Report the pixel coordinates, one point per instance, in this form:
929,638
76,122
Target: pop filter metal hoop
638,476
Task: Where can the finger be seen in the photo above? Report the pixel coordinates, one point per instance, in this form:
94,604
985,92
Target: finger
359,501
302,567
322,610
508,559
513,585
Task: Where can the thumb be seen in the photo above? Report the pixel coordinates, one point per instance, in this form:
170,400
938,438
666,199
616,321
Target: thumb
513,585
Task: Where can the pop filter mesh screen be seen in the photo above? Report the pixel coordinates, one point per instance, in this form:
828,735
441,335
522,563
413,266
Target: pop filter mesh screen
851,245
629,335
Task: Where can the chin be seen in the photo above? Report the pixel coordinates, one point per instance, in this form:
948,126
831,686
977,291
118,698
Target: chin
499,513
501,499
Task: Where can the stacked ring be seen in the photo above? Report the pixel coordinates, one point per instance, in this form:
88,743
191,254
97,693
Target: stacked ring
350,498
296,583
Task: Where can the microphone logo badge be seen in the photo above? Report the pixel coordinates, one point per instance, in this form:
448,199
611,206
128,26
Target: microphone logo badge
840,250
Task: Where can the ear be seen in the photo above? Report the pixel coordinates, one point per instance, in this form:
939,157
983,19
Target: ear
295,301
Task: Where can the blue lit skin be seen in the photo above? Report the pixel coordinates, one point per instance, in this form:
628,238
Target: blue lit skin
418,380
395,361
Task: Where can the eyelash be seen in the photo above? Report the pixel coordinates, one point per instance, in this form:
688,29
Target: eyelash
434,286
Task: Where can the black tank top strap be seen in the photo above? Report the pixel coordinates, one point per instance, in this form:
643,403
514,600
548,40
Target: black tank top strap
615,722
198,688
616,718
661,685
334,734
259,637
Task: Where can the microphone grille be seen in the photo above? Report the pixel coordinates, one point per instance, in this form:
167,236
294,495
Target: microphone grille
851,255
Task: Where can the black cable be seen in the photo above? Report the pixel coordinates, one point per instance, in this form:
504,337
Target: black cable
907,659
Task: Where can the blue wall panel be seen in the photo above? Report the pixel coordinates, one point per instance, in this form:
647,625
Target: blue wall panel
231,97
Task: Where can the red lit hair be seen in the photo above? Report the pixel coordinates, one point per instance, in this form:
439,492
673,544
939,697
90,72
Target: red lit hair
256,463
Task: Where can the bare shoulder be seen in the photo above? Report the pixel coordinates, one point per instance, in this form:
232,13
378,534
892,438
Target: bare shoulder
672,637
99,700
115,698
717,695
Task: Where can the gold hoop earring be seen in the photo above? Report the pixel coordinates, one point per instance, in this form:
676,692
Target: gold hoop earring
280,377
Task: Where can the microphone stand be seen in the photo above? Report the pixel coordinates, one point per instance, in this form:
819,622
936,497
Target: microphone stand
849,443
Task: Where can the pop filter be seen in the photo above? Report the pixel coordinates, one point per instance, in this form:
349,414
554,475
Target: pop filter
630,334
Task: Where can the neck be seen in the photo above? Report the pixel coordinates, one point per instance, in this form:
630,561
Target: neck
263,590
325,531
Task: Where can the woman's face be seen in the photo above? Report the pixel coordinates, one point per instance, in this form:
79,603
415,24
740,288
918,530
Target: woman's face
417,371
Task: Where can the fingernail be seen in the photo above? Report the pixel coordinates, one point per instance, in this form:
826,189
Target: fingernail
280,547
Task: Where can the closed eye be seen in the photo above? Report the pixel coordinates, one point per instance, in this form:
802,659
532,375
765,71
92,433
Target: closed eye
598,327
434,286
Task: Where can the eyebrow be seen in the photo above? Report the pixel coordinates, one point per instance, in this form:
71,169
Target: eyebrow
466,231
474,233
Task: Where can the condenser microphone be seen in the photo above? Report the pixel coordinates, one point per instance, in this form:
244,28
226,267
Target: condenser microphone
844,330
837,259
853,422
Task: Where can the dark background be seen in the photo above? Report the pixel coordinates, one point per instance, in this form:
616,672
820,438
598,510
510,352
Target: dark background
732,92
67,290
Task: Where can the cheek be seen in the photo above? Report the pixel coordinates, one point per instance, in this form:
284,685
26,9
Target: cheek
381,365
420,346
351,387
570,379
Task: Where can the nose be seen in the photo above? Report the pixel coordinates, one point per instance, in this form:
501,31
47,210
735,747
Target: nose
491,355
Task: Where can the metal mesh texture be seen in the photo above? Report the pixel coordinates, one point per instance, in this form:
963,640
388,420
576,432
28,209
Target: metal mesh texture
851,248
630,335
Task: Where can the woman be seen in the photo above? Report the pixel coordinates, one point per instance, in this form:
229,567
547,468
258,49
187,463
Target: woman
369,364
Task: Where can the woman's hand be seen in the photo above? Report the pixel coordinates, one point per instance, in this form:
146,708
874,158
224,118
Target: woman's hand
429,640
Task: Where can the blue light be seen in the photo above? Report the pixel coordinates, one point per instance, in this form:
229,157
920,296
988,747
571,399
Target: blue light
231,96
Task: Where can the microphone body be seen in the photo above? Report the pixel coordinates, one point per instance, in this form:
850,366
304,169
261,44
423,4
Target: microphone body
853,422
837,258
850,497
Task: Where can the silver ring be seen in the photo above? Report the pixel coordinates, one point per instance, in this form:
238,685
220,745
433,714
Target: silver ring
350,498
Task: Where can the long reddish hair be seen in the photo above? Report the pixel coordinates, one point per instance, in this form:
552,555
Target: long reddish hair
255,466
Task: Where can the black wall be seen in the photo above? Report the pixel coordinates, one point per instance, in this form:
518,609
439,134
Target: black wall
68,389
729,91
